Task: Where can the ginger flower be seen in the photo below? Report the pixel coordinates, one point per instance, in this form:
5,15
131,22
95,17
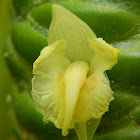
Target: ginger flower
70,87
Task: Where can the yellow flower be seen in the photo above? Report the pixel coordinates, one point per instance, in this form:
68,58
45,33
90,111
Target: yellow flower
69,86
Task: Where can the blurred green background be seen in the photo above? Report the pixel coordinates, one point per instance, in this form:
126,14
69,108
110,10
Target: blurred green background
5,78
23,33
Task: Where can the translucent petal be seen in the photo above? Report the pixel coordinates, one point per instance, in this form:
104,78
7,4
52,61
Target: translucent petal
67,26
94,98
86,130
81,131
105,56
52,59
48,88
91,126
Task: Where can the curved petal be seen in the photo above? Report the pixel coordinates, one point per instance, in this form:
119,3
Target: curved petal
74,78
105,56
52,58
48,83
66,25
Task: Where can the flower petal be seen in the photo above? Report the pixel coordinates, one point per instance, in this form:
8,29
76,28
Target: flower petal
105,56
67,26
95,96
74,77
52,59
48,82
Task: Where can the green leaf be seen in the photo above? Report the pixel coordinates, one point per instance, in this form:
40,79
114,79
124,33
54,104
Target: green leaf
27,114
128,69
108,20
28,41
18,68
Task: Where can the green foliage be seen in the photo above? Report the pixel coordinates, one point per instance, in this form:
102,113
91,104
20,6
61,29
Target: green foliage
110,22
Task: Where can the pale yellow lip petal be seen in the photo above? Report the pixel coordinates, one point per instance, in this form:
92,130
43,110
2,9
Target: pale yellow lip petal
65,25
105,56
74,78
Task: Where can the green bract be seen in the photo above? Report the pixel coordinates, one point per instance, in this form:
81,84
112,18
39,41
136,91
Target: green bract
69,86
